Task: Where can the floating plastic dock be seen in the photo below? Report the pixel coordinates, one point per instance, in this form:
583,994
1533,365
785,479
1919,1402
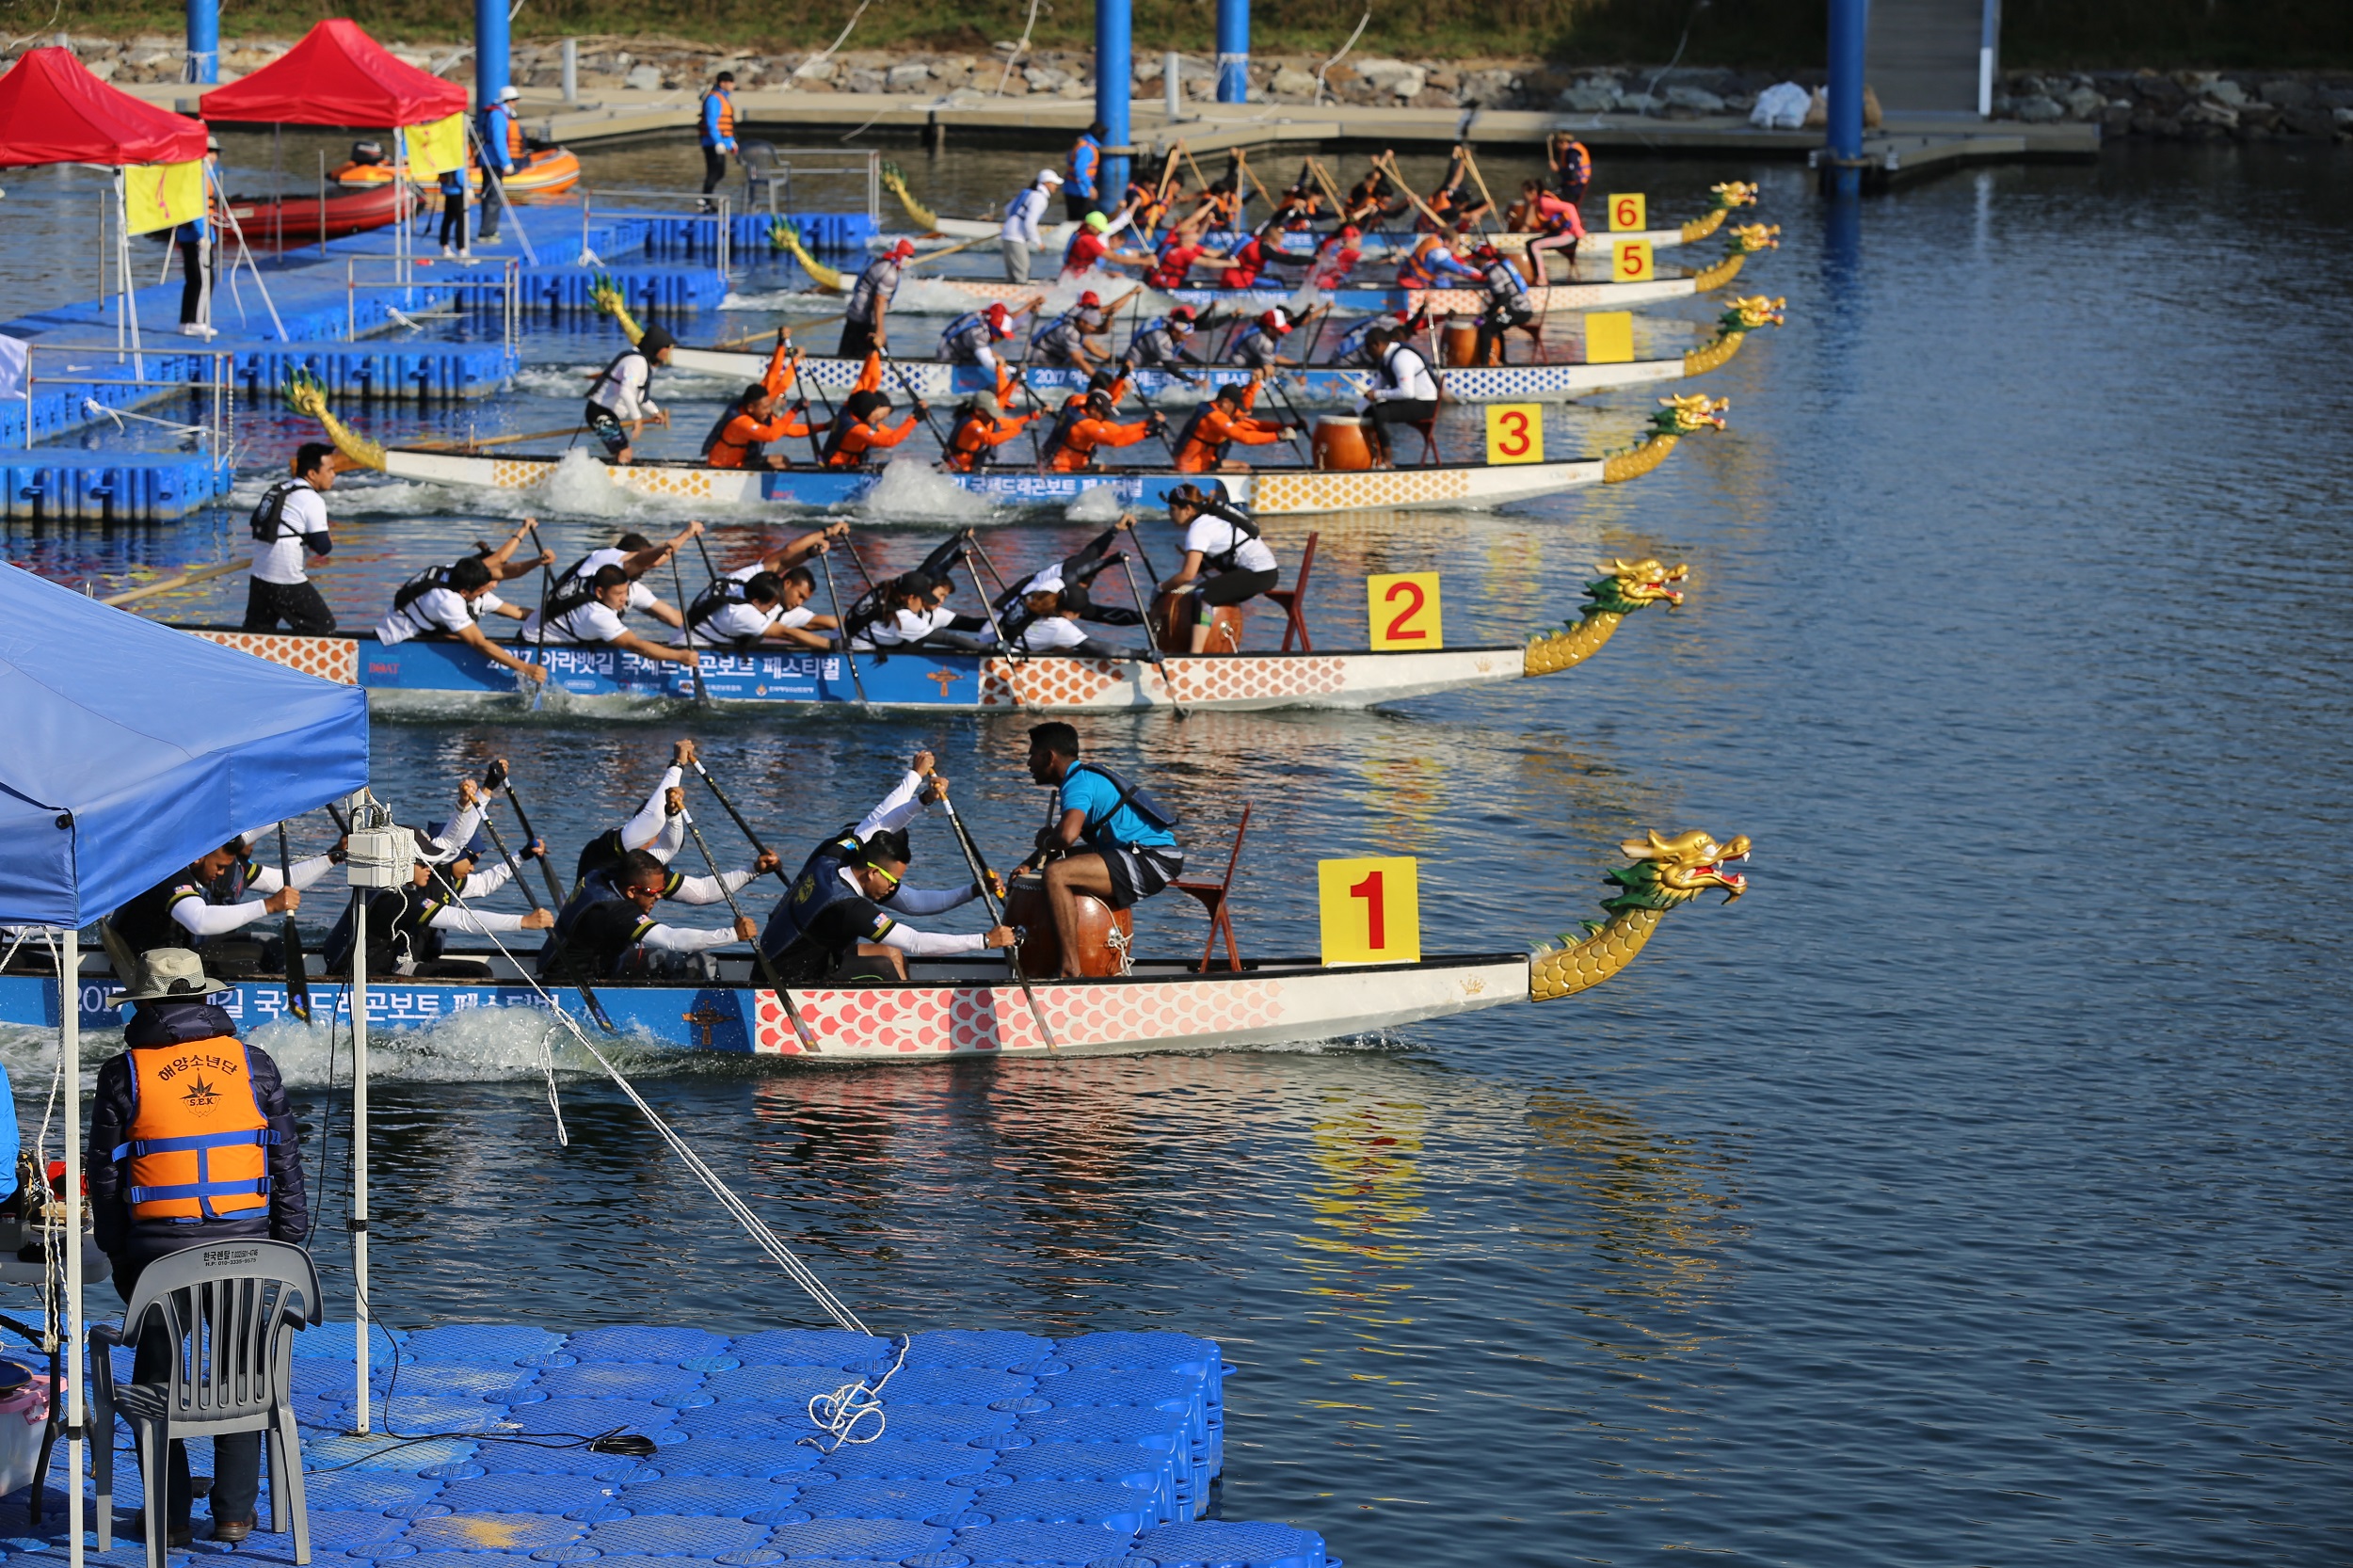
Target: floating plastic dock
108,487
994,1448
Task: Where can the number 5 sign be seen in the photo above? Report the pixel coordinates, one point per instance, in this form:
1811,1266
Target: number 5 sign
1516,432
1630,262
1372,911
1405,611
1628,214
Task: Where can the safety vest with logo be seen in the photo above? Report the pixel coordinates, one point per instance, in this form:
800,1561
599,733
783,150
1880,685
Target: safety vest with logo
198,1141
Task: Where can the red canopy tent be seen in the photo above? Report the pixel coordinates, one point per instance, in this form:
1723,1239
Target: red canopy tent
337,75
53,111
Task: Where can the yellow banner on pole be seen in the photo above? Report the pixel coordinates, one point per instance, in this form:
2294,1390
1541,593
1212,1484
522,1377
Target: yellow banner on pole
437,148
162,196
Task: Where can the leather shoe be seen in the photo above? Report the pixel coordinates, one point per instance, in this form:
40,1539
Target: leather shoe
232,1531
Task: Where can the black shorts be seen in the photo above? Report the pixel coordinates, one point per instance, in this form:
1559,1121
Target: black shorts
1404,411
1139,870
1233,587
605,425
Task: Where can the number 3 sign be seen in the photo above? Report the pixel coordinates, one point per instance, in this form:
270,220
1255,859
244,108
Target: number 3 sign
1405,611
1516,432
1372,911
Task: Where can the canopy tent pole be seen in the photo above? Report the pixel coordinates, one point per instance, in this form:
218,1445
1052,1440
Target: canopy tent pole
244,253
359,1222
514,219
123,264
70,1054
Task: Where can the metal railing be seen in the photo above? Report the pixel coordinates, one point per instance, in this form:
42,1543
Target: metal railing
815,163
510,283
721,216
218,413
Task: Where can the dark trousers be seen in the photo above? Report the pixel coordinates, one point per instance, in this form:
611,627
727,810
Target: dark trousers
453,218
493,192
714,168
857,340
1494,327
192,282
1076,207
236,1456
298,605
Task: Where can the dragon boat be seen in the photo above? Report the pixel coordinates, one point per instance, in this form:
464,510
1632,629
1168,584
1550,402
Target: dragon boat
971,1007
1320,385
1726,200
1272,491
1548,299
433,676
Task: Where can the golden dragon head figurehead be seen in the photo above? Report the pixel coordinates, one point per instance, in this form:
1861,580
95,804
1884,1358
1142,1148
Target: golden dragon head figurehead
1632,585
1690,412
1747,315
1669,871
306,395
1749,238
1732,194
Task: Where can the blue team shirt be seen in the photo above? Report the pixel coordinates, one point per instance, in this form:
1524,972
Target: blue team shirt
1084,790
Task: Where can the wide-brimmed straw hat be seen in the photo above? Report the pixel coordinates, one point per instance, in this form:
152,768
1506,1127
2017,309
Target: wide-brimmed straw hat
168,974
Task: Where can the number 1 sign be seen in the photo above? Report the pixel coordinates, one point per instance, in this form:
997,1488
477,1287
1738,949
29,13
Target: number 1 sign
1371,910
1405,611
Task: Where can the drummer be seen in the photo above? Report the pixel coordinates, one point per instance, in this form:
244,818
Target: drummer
1405,391
1109,838
1222,540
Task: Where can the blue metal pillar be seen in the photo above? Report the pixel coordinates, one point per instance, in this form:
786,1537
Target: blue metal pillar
1849,24
1233,51
491,60
1114,77
204,40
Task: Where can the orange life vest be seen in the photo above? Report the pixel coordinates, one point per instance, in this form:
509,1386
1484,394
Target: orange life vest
517,151
197,1142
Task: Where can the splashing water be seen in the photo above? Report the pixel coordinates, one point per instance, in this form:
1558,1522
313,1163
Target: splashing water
804,301
1095,503
911,491
584,487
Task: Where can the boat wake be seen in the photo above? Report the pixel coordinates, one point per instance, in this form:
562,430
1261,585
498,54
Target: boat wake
911,491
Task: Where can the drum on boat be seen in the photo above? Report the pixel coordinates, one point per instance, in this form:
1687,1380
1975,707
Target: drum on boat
1103,933
1340,444
1175,617
1462,344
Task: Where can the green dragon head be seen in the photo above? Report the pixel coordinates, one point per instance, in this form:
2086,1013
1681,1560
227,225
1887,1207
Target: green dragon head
1747,315
1691,413
1632,585
1749,238
1667,874
1733,194
306,395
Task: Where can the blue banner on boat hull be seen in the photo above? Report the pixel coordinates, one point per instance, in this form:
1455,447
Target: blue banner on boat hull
782,675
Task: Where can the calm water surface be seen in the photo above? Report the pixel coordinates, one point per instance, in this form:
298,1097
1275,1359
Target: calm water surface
1973,1191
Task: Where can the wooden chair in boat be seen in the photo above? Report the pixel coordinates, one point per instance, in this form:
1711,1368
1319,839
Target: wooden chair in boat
1295,623
1216,902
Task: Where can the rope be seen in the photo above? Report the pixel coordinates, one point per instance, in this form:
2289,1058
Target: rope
92,406
839,1413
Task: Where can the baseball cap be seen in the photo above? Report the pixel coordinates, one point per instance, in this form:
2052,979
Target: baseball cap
1047,177
1091,300
904,248
1097,222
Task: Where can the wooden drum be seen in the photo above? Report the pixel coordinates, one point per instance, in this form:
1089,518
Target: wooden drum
1173,615
1340,443
1462,343
1041,949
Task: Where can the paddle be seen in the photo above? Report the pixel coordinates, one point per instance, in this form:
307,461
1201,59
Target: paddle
686,625
996,917
495,777
470,444
841,618
899,375
1151,635
742,338
832,419
523,820
791,1009
298,971
547,587
948,250
1012,654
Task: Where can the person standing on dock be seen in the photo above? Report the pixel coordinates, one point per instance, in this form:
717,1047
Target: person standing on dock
502,152
864,323
622,394
195,241
1020,237
717,133
1572,165
191,1144
453,215
1109,838
1079,194
289,522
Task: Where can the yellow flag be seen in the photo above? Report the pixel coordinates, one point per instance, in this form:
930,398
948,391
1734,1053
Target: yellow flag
436,148
163,196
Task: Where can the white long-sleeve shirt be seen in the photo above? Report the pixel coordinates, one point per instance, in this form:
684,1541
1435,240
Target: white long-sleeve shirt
1405,377
1022,215
901,806
657,832
624,386
678,938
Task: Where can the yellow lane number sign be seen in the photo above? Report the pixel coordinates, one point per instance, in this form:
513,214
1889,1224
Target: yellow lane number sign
1405,611
1628,214
1516,432
1371,910
1630,262
1610,338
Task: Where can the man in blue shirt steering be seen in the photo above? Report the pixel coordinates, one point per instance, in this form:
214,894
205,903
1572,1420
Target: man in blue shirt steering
1110,841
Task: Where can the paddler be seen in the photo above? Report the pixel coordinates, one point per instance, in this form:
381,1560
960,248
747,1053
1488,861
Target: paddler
1110,838
865,320
1163,347
910,611
659,825
636,555
192,1143
752,421
1179,253
1067,580
1091,250
1434,265
715,129
622,394
972,338
1222,539
764,601
445,605
1075,451
983,426
859,428
839,921
207,899
1335,258
589,616
1019,238
1509,306
405,924
1405,392
619,939
1260,345
1064,343
1220,423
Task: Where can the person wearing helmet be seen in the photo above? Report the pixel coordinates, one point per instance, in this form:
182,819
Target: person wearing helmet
972,338
502,152
1164,346
864,321
1066,342
1094,429
983,426
1020,236
1260,343
1509,306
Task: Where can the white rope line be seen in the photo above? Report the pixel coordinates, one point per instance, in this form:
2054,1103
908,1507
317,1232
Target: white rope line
743,1213
1021,48
92,406
839,1413
831,49
1341,55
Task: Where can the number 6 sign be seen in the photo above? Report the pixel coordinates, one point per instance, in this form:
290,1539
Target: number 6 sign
1630,262
1405,611
1628,214
1516,432
1371,910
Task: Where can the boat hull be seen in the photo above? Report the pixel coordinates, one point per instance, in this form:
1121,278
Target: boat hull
434,675
1058,237
1552,300
1272,492
306,219
964,1011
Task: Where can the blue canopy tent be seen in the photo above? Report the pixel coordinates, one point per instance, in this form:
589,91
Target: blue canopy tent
133,749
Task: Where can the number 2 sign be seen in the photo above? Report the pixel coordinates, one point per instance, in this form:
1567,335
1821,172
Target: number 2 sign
1516,432
1371,910
1405,611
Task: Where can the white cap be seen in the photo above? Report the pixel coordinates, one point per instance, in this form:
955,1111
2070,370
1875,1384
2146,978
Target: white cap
1047,177
508,94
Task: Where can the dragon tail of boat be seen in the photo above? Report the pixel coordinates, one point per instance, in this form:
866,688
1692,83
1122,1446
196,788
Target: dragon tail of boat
894,179
1608,600
1666,874
607,296
1740,318
1677,417
306,395
825,277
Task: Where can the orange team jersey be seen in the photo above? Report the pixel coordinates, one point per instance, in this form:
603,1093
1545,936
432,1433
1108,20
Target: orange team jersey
980,433
861,437
1205,446
1078,448
869,374
743,432
779,374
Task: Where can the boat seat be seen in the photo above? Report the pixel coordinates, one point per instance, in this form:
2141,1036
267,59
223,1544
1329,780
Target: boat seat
1216,902
1295,623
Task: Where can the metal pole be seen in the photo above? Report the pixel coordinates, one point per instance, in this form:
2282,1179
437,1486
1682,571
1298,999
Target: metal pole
359,1222
1233,51
1113,83
1172,86
203,40
1849,22
1989,57
70,1050
571,73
